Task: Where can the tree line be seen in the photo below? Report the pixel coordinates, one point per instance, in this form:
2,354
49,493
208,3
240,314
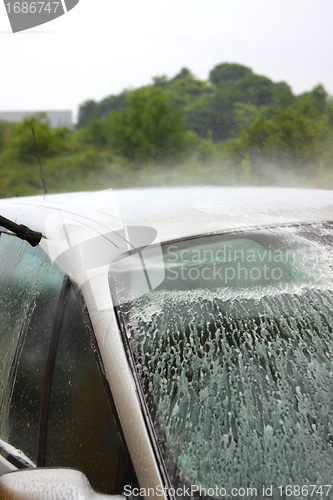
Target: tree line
236,119
258,118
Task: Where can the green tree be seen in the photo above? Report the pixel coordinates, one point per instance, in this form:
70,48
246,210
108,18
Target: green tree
288,136
319,97
20,144
283,95
235,95
148,128
226,71
183,89
96,133
245,114
112,103
184,73
255,89
314,103
213,112
161,81
330,111
88,111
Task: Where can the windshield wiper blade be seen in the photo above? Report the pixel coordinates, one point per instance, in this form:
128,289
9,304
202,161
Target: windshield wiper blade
22,231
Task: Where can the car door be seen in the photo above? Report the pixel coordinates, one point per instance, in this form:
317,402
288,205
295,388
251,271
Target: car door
56,408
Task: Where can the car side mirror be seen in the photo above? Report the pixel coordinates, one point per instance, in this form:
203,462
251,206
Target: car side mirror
49,484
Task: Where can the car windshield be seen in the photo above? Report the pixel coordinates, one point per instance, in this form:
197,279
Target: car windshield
234,349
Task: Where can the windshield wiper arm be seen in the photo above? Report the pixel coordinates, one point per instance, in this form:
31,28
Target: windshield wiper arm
22,231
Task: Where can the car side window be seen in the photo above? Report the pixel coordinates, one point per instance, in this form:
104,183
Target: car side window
81,431
29,294
59,416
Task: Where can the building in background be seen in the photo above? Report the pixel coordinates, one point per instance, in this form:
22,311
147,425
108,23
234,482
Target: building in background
55,118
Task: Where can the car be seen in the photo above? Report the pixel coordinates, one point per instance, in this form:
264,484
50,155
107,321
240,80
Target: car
167,343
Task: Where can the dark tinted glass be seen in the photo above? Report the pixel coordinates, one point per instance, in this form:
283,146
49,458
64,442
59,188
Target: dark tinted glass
29,294
81,430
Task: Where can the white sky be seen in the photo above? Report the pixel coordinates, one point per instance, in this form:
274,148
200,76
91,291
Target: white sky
103,46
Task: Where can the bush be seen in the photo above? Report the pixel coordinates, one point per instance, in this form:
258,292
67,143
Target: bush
288,136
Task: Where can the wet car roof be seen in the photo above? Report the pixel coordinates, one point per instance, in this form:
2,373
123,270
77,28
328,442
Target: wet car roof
181,212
